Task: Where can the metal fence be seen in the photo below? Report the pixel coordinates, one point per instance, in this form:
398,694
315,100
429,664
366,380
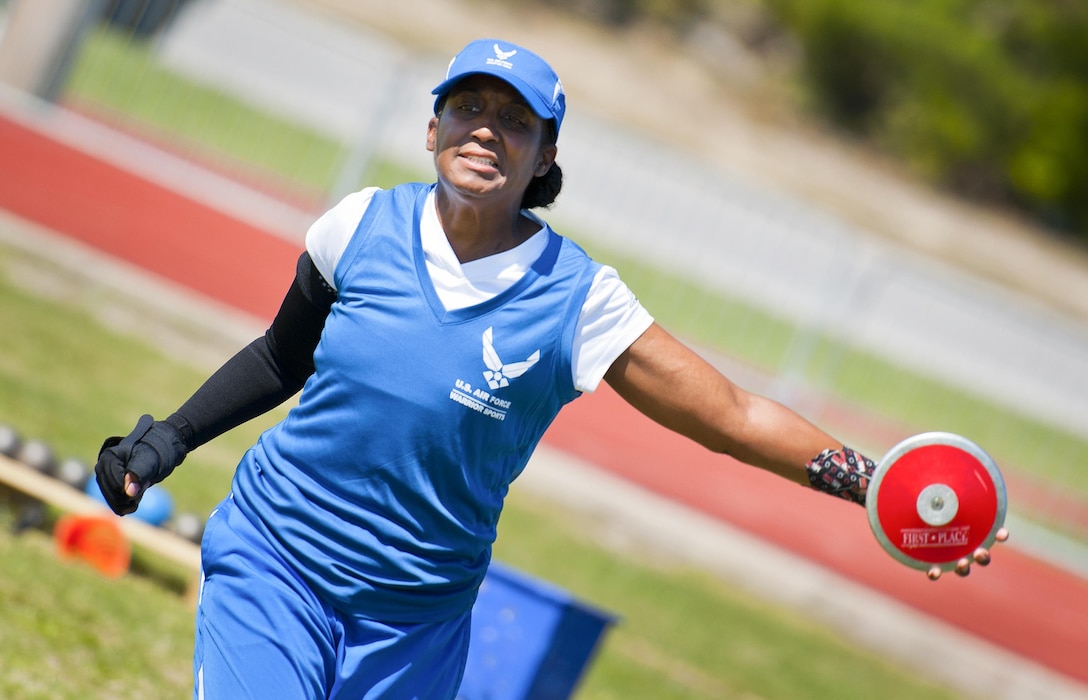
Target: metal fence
803,305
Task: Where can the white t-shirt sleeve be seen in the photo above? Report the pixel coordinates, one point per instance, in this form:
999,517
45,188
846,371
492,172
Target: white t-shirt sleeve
328,237
611,319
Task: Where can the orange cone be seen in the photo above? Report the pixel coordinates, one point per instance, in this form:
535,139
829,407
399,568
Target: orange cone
95,539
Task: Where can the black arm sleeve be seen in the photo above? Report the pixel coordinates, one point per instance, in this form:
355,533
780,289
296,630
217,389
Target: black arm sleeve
266,372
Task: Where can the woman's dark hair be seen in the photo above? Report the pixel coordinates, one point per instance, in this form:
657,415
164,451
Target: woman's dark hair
542,191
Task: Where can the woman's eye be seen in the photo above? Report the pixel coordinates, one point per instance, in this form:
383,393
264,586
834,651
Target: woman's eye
516,120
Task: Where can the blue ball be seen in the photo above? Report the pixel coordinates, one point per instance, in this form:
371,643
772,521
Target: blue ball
156,506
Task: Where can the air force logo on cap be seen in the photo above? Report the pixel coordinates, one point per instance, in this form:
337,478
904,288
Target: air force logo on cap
502,56
527,72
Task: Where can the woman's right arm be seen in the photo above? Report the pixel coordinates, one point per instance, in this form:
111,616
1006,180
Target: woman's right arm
258,378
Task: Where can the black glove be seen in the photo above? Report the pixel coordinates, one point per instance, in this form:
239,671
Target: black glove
150,452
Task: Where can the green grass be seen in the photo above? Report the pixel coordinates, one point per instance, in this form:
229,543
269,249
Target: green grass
683,633
123,78
66,632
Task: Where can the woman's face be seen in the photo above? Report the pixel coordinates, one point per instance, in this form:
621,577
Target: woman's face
487,141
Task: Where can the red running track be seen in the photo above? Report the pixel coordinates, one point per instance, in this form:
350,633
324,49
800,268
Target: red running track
1020,603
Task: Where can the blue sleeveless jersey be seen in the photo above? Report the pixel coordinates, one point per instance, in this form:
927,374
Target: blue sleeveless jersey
383,487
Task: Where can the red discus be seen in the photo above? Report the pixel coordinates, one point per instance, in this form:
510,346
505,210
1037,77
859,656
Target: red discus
935,498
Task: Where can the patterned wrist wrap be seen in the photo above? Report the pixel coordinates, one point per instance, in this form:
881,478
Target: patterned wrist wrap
843,473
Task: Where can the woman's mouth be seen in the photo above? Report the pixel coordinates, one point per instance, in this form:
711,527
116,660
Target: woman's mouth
482,160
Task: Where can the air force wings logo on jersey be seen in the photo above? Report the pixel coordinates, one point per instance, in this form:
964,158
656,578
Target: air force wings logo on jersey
498,373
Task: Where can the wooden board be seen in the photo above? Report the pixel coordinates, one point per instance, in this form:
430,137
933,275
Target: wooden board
58,494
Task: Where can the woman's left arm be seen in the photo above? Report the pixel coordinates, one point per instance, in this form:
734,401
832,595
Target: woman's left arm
670,383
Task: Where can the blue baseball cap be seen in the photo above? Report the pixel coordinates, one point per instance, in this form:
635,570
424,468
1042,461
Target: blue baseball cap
528,73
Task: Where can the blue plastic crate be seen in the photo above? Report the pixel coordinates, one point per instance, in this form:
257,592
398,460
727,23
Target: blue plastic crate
530,640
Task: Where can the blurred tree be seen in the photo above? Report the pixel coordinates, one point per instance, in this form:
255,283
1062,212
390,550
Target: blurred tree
987,97
143,19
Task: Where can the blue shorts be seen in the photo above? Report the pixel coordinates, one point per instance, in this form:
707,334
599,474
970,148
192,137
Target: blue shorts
262,633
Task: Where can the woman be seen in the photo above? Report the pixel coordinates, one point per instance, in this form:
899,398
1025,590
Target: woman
435,331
